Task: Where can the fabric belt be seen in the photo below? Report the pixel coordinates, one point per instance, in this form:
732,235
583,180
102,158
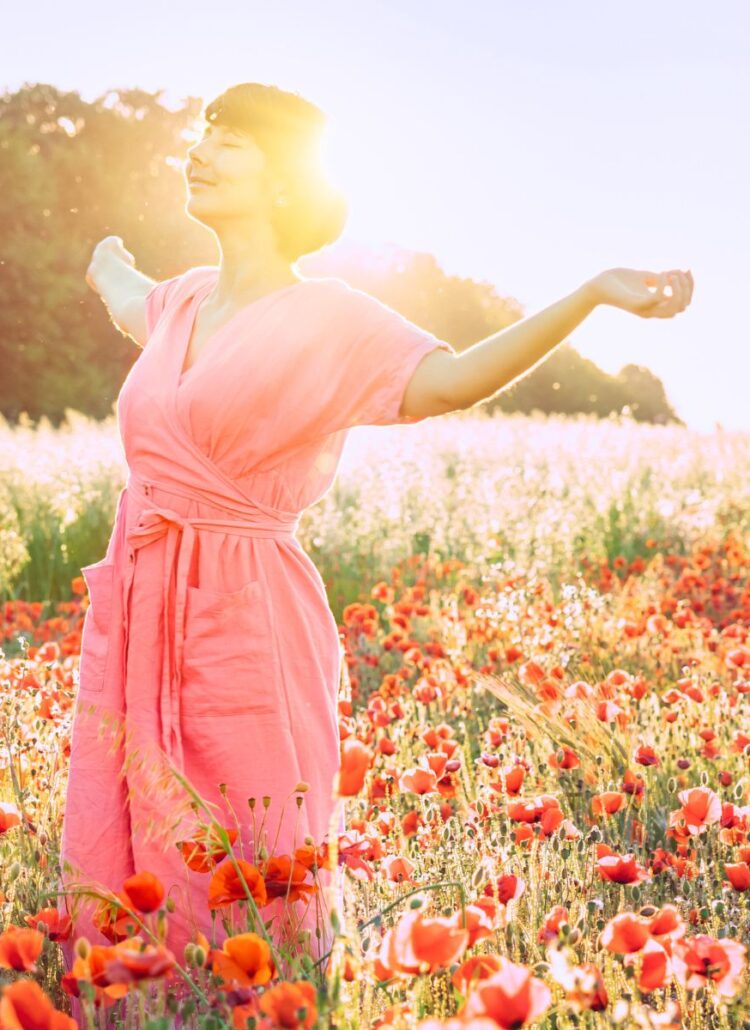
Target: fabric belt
154,523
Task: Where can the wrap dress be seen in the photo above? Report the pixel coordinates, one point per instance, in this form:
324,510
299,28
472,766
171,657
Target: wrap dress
208,638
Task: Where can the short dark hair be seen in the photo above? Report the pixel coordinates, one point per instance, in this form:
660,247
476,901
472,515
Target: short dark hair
288,129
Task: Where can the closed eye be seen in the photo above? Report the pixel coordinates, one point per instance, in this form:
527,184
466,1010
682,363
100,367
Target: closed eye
206,133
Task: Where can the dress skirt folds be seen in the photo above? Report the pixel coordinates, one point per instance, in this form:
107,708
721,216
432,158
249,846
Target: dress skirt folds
208,640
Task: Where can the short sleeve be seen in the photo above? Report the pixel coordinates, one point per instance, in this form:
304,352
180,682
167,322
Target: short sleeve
157,299
377,351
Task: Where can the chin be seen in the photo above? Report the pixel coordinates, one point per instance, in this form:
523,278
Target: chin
196,203
195,213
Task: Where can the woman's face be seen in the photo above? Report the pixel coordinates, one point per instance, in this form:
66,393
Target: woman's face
232,173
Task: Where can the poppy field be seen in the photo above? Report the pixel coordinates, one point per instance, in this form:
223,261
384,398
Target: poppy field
544,714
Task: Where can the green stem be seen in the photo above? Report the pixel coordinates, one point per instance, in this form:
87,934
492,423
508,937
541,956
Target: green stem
393,904
89,893
230,854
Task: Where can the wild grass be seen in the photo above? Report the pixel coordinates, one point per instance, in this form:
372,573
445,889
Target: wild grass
546,681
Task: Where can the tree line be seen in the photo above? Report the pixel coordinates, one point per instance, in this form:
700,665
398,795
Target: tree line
73,171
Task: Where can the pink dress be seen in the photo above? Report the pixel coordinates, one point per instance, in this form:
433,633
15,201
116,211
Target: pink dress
209,637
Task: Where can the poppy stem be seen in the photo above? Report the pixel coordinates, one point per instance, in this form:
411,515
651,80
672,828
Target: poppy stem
88,892
417,890
226,844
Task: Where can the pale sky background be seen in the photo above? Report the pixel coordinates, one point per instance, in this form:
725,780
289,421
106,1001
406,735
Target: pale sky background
529,144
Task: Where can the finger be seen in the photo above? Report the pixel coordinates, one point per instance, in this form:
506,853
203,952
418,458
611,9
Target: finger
678,294
685,288
659,284
685,284
674,279
652,281
662,303
664,310
677,303
668,306
678,291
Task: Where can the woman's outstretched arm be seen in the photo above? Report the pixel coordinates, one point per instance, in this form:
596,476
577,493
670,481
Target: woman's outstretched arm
490,365
113,275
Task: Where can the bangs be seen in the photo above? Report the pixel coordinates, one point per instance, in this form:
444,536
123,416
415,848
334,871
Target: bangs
265,112
232,115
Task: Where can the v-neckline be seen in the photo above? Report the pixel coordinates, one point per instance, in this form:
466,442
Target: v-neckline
172,405
192,314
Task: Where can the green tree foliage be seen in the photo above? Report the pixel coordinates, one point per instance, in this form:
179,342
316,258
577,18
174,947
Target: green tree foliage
464,311
567,383
73,171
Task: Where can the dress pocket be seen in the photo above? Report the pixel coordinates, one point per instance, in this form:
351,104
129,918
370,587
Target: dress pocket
97,623
228,661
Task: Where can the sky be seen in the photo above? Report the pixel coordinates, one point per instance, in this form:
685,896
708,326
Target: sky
527,144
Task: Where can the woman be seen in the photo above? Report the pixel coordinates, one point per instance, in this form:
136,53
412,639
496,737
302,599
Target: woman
209,639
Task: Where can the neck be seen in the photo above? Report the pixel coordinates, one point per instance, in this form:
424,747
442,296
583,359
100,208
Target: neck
249,265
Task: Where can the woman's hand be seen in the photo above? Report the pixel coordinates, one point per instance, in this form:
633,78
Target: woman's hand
110,249
643,293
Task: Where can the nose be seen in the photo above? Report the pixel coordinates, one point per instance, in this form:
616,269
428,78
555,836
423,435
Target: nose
194,164
194,152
